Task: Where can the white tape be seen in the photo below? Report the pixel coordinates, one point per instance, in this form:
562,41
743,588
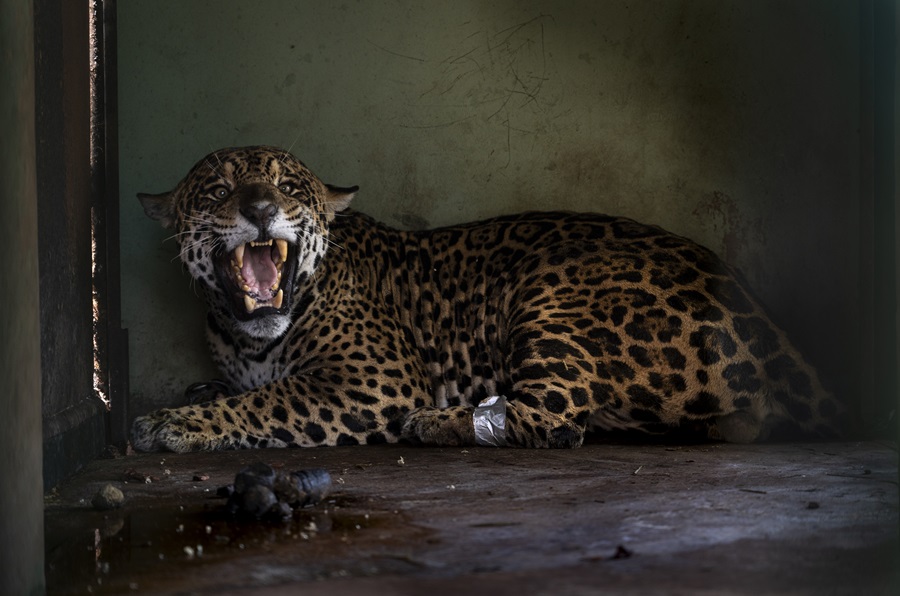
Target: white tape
489,419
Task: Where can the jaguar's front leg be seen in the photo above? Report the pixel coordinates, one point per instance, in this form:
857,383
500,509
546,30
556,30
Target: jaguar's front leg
524,426
433,426
298,411
190,428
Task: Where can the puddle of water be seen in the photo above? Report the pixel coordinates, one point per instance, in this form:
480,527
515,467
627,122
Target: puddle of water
114,552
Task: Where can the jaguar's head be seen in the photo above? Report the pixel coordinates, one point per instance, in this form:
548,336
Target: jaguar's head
250,223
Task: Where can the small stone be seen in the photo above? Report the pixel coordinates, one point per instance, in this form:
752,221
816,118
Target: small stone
258,500
287,489
108,497
255,474
303,488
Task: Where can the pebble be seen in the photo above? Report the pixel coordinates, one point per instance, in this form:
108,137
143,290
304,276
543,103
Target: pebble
108,497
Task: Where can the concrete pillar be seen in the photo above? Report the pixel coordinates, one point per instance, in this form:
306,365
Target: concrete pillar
21,495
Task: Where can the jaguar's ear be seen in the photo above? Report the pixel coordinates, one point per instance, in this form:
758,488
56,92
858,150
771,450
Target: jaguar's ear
160,207
338,199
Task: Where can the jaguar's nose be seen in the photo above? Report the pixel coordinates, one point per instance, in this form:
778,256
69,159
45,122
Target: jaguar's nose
260,214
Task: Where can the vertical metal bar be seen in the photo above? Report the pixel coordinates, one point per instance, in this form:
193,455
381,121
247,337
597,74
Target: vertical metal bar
111,340
118,338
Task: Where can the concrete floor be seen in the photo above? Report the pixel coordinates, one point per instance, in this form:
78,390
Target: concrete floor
629,519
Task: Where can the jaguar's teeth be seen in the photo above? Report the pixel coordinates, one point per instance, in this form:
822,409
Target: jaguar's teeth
239,256
250,303
282,249
279,297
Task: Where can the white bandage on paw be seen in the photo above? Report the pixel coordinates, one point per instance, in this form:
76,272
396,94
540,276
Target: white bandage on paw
489,419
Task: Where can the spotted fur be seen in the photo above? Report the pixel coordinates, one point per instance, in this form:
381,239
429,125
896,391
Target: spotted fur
584,322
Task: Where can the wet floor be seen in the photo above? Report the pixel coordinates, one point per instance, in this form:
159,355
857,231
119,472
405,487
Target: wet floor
150,548
633,519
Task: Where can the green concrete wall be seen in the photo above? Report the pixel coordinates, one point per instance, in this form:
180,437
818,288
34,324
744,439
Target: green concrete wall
731,122
21,498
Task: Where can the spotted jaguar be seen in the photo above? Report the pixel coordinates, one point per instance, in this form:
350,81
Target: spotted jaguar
334,329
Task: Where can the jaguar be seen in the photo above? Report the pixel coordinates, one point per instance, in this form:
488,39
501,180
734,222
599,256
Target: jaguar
331,328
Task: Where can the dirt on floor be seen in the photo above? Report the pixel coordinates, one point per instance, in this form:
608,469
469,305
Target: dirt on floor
631,519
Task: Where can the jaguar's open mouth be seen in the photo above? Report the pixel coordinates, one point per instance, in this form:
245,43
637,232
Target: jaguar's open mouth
257,276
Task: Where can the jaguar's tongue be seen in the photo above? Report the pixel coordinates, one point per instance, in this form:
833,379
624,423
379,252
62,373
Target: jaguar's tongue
259,272
257,269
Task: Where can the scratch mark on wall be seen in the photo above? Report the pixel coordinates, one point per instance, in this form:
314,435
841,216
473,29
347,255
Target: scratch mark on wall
393,53
438,125
497,78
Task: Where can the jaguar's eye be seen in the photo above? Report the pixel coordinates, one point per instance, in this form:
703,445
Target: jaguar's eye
221,192
286,188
